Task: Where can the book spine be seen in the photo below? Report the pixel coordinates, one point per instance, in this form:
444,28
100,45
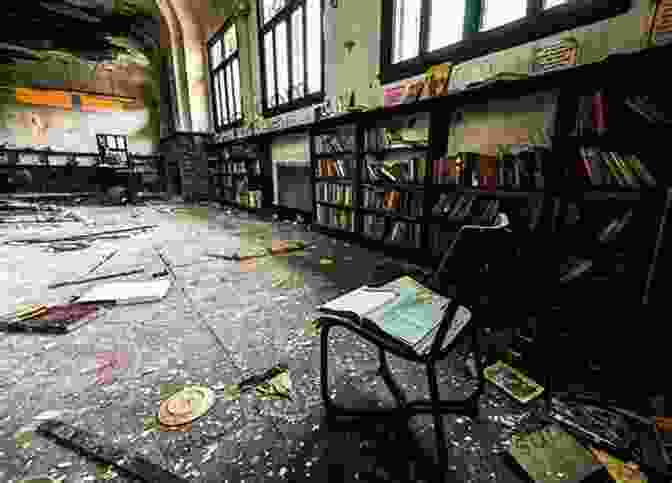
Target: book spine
613,170
599,112
641,170
628,174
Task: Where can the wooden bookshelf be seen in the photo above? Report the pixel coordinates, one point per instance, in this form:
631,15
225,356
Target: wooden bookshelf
237,175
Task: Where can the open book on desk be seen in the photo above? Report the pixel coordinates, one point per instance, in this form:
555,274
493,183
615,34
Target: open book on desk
404,309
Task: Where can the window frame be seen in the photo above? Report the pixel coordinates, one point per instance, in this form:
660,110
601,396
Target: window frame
213,71
263,27
537,24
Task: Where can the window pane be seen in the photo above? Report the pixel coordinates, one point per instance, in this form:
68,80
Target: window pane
270,72
218,104
497,12
271,7
230,41
406,43
282,60
229,93
236,85
216,53
298,89
553,3
314,46
446,23
225,111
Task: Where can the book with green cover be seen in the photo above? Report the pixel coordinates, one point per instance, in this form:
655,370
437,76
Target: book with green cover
404,309
552,455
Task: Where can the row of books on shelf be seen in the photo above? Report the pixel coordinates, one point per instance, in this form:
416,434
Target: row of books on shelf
460,207
385,138
334,143
240,167
250,199
408,171
474,210
405,203
400,232
240,184
334,193
600,167
333,167
335,218
525,170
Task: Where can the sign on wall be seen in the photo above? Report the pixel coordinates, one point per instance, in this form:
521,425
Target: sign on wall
38,97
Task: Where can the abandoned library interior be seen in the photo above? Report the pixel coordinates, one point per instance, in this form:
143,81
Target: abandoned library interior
335,241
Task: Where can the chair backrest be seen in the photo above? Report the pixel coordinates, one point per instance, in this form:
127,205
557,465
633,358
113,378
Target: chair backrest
485,247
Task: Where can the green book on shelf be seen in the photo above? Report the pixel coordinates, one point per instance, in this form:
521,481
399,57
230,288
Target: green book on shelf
420,169
641,170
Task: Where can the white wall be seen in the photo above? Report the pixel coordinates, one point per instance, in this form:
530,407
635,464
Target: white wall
40,127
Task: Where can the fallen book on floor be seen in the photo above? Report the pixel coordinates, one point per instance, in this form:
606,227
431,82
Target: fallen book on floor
404,309
127,292
90,445
512,382
279,248
56,319
553,455
619,471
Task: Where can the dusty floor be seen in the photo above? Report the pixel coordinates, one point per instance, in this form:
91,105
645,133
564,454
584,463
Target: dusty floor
256,325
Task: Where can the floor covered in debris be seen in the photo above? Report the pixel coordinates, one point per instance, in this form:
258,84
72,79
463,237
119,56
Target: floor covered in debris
222,321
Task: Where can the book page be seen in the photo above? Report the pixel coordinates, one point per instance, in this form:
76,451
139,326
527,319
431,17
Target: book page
414,314
361,301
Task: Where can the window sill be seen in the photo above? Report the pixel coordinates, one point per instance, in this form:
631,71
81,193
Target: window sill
308,101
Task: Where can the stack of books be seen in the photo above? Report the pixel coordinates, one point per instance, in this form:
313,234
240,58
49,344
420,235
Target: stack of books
662,23
610,168
404,203
561,53
333,167
334,193
522,171
407,171
334,143
457,207
335,217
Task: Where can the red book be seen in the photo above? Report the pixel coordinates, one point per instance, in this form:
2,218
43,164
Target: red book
599,112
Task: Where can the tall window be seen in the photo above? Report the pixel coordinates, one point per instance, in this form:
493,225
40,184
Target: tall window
225,78
419,33
291,38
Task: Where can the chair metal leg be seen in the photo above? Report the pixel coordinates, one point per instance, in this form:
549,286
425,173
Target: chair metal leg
324,376
384,372
441,448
